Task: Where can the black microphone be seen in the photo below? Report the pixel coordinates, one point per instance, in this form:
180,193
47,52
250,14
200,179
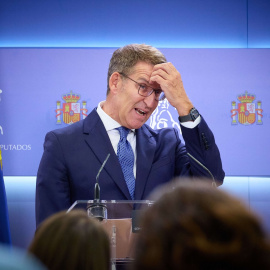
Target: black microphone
214,184
97,209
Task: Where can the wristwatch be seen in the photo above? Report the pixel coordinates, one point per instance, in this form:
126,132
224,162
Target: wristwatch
192,116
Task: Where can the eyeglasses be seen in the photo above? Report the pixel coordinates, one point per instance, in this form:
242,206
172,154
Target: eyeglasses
146,90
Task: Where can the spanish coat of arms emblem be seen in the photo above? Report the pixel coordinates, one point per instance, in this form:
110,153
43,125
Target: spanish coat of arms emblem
246,110
71,109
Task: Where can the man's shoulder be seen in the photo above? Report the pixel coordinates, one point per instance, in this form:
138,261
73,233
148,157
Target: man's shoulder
75,127
163,132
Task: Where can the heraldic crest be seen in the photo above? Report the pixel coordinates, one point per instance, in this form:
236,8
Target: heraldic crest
246,110
71,109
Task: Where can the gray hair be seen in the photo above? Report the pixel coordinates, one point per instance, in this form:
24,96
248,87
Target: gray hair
125,58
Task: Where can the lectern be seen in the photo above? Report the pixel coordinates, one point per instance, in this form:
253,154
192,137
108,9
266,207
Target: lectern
121,221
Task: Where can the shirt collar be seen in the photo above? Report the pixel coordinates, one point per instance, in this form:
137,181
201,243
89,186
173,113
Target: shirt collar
108,122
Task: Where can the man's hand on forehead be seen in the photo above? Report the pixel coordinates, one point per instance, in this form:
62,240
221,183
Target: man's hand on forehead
170,81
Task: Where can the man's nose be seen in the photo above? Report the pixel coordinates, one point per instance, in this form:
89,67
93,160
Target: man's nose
150,101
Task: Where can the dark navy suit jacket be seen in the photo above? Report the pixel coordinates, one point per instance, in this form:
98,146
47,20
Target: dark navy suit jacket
73,156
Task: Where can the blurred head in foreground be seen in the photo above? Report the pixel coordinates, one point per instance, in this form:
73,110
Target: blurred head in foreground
196,226
71,241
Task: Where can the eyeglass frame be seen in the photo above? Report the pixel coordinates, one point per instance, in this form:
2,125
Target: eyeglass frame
149,93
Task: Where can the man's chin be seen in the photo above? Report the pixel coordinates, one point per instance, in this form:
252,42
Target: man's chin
136,125
137,122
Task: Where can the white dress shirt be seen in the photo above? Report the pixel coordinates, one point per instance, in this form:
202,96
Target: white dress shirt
114,135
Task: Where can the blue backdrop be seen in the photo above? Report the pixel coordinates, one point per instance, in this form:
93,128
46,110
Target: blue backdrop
230,88
33,80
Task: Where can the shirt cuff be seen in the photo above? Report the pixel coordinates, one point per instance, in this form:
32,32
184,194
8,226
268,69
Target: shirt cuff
191,124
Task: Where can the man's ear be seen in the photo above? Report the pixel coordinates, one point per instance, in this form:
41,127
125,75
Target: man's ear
115,82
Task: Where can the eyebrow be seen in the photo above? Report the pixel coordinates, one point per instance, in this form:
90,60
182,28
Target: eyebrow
147,83
156,89
143,79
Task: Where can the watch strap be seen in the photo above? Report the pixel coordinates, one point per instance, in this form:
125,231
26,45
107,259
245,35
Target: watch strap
192,116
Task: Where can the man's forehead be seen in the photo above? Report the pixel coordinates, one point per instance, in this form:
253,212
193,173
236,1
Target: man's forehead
142,66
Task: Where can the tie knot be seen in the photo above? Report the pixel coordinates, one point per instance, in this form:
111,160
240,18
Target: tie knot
123,132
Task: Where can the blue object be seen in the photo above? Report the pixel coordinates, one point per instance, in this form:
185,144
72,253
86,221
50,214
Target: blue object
4,221
126,159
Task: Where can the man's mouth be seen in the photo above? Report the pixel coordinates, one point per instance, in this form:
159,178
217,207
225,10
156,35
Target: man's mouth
140,112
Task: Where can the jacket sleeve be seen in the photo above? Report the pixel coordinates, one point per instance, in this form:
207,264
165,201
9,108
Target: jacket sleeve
200,144
52,186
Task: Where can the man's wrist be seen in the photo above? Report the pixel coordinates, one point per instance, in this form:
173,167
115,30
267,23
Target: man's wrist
192,116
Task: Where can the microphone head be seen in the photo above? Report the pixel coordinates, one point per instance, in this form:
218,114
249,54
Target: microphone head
97,210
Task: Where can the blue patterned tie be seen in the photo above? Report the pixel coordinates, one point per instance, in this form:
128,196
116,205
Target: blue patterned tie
126,159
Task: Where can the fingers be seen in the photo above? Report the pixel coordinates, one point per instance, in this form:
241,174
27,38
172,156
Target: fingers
164,66
166,75
170,81
163,72
159,73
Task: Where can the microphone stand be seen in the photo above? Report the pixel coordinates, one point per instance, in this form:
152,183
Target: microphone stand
97,209
214,184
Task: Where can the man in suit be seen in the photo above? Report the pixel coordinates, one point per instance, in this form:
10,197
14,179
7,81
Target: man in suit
139,76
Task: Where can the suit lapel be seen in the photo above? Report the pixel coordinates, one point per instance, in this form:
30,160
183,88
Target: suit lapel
98,140
146,146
